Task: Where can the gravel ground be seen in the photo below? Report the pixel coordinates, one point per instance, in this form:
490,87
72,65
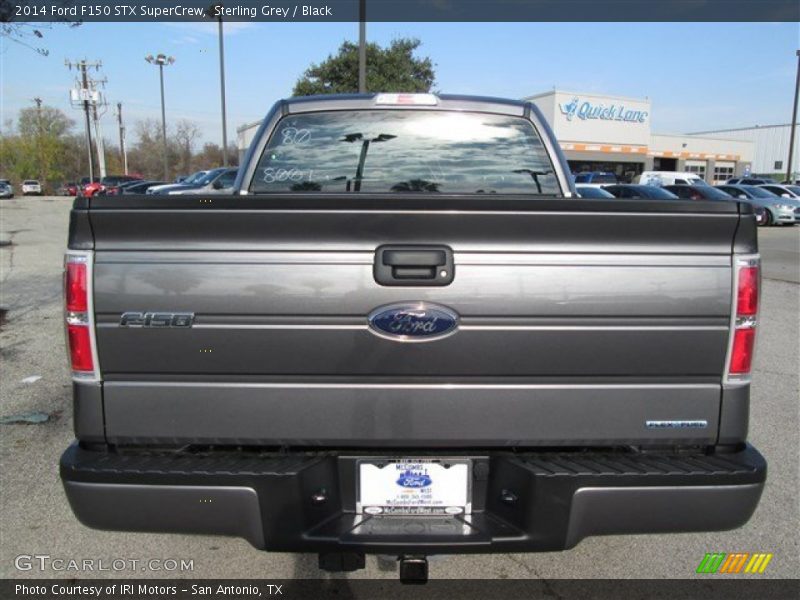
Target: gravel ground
35,517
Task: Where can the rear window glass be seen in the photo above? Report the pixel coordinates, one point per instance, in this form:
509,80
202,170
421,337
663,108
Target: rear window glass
604,178
380,151
760,192
655,193
713,193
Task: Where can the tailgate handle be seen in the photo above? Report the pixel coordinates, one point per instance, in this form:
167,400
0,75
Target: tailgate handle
414,265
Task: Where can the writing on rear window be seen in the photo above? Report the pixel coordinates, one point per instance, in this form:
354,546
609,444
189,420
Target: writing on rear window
387,151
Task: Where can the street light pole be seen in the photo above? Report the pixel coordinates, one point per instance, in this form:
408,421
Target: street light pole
211,11
222,94
789,170
161,61
163,122
362,46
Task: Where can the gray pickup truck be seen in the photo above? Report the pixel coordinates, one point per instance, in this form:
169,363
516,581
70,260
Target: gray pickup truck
404,334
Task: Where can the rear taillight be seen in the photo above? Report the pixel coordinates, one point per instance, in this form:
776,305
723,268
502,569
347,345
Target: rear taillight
78,315
75,286
746,279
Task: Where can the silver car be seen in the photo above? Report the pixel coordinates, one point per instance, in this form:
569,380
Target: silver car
217,181
780,210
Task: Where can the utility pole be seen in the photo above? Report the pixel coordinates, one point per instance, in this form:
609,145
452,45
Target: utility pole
362,46
38,102
122,151
789,170
83,97
98,129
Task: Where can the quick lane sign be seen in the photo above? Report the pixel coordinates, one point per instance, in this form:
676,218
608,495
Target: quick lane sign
605,112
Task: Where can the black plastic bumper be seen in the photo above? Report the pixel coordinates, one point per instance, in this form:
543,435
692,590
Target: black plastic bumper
305,502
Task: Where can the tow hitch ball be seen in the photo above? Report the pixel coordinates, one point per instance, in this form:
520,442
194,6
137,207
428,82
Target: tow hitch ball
413,569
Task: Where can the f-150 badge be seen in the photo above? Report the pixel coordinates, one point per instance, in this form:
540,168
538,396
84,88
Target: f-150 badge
413,322
156,319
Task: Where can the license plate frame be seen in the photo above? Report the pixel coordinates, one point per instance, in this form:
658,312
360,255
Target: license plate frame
380,492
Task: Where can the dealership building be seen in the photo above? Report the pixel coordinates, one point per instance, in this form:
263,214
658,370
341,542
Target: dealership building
598,132
770,146
612,133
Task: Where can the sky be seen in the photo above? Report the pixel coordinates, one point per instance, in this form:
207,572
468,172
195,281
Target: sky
699,76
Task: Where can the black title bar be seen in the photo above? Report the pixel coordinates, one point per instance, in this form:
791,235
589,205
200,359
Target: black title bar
401,10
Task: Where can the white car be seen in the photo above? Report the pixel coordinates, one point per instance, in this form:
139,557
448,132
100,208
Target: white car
669,178
31,187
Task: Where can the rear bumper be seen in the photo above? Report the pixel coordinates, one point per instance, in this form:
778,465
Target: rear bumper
522,502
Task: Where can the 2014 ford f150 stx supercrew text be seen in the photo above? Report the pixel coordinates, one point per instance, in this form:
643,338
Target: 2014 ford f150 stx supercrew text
404,334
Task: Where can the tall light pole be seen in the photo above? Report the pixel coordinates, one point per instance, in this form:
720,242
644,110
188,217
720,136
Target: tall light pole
211,11
162,60
789,170
38,102
362,46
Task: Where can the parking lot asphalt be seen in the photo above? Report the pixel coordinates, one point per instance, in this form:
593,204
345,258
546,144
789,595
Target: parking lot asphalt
35,517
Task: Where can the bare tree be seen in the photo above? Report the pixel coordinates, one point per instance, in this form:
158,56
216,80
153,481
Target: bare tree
186,135
30,34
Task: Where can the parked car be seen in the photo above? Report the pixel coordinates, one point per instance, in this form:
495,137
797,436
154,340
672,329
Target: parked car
118,189
85,181
784,191
90,189
216,181
112,182
646,192
6,191
446,372
698,192
779,210
190,180
138,187
596,178
749,181
591,191
790,182
31,187
68,189
669,178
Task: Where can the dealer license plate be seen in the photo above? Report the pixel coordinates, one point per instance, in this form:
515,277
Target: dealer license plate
414,486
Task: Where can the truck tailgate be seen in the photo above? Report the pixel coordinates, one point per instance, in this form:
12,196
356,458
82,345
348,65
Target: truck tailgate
581,322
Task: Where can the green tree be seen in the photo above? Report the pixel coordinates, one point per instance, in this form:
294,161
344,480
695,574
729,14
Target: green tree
392,69
40,148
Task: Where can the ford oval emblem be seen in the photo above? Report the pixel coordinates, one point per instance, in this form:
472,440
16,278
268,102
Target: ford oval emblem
413,322
414,479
